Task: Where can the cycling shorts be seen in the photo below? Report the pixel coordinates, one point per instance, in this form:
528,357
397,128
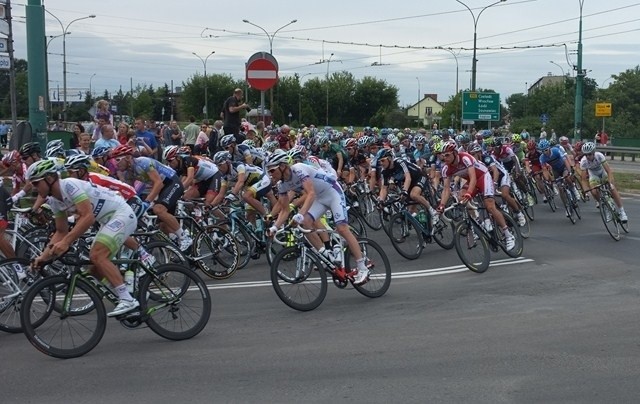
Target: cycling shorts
120,226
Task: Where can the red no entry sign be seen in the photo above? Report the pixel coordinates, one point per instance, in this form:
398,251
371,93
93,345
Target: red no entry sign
262,71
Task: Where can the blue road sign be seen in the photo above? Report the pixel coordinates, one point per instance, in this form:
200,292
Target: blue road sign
544,118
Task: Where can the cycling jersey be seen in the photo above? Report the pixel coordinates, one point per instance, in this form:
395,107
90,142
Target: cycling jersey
322,165
399,169
331,154
126,190
105,202
204,168
461,166
555,159
253,174
143,165
241,153
505,155
594,166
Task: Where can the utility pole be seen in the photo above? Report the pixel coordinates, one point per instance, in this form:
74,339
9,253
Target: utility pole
36,73
580,73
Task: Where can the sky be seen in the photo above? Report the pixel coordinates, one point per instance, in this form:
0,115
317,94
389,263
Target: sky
151,42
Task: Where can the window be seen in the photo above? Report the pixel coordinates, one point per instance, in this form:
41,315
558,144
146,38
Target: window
429,111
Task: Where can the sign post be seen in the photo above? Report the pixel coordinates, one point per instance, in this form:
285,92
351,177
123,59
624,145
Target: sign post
480,106
262,74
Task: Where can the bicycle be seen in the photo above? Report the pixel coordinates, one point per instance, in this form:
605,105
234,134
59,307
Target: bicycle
609,212
299,272
64,316
568,198
472,236
404,224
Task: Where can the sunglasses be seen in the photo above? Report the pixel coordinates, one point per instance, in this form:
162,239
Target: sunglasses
36,182
589,154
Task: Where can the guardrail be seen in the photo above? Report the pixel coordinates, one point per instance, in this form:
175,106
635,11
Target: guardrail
622,152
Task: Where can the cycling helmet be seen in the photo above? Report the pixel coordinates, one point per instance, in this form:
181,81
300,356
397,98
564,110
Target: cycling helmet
41,169
28,149
516,138
475,148
394,141
298,153
11,158
278,158
184,150
323,140
350,143
122,150
588,147
57,150
531,145
543,145
249,143
170,153
227,140
564,140
449,146
77,162
420,139
55,143
385,153
436,148
100,152
72,152
490,142
524,135
221,157
459,138
363,141
435,138
499,141
271,146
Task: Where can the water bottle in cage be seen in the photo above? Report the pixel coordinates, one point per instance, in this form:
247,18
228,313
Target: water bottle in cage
197,214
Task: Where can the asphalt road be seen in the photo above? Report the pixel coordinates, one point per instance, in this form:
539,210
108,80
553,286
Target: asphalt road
561,324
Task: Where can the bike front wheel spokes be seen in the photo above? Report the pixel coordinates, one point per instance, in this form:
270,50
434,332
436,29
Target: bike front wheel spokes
377,262
472,247
175,301
405,236
61,333
609,220
299,278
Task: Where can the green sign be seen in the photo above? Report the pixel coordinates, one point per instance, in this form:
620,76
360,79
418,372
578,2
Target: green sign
480,106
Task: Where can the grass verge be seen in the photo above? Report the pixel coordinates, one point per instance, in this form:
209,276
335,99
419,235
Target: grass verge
629,182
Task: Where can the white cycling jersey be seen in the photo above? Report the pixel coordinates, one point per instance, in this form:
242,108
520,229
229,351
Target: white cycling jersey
105,202
595,166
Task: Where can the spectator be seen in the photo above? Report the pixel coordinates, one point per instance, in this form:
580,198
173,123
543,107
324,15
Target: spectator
172,134
107,138
4,131
601,139
543,134
77,130
144,137
191,132
123,133
214,137
103,116
84,144
202,141
231,108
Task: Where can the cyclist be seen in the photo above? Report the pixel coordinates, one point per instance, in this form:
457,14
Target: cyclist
464,165
323,193
199,174
556,163
92,204
79,167
166,189
596,171
408,177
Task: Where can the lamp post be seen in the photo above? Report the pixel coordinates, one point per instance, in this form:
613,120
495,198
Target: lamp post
328,62
90,88
552,62
65,32
475,38
206,98
579,82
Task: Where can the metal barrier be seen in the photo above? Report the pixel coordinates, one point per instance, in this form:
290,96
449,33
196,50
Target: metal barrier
622,152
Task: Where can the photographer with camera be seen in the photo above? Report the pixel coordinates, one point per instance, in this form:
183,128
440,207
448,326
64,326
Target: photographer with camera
231,109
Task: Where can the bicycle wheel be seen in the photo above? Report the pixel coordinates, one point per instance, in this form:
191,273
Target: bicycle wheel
405,236
379,268
514,229
177,304
608,218
357,223
35,242
369,211
216,252
165,253
245,243
472,247
525,230
62,335
567,202
443,234
299,278
531,190
274,247
549,193
10,306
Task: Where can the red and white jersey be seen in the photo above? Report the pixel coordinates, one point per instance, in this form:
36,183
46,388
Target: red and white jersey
461,166
126,190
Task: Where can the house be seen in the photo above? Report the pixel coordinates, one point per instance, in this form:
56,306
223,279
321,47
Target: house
427,111
549,79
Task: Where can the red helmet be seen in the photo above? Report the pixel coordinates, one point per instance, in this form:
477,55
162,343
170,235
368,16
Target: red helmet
10,158
578,147
449,146
122,150
531,145
350,143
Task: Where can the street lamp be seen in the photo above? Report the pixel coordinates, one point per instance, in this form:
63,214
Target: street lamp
65,32
90,88
579,81
206,98
270,37
551,61
328,61
475,37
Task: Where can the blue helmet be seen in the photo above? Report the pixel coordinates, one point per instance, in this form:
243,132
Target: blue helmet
543,145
